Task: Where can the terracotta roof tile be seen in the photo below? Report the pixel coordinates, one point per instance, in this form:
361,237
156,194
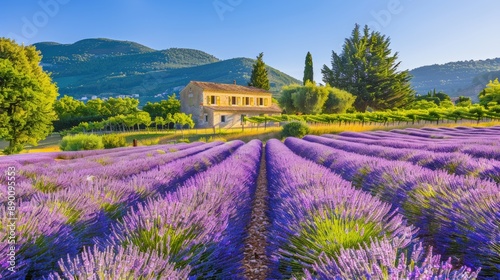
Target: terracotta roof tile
231,88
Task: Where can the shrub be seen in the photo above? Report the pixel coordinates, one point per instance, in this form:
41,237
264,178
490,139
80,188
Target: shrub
183,140
150,141
113,141
213,139
295,129
81,142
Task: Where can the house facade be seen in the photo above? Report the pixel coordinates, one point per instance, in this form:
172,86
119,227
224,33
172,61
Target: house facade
225,105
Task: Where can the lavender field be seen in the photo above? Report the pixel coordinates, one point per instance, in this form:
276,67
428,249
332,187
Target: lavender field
400,204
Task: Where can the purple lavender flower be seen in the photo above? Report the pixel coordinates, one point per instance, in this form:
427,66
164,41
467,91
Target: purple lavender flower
431,200
383,260
119,263
315,212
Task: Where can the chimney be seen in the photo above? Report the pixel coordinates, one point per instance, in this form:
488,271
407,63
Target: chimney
234,81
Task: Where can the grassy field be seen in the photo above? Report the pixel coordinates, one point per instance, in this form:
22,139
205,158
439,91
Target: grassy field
51,143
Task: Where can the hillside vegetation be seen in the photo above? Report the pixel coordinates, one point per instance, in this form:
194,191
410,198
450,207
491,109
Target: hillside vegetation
465,78
105,67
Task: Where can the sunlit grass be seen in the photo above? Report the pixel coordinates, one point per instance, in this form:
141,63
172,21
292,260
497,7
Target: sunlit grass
358,127
154,137
325,236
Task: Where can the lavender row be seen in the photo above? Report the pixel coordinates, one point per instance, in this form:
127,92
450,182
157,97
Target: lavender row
401,142
440,135
460,132
456,214
196,231
31,165
435,134
118,263
383,260
453,163
68,219
314,213
122,151
138,151
391,135
48,179
34,158
115,163
474,150
425,136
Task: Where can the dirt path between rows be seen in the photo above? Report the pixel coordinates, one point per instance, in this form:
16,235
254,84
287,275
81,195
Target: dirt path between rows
255,260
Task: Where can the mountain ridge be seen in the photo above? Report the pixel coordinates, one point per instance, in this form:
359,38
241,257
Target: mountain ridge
458,78
106,67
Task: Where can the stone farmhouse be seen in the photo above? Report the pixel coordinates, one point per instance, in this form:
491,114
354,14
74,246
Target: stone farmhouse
225,105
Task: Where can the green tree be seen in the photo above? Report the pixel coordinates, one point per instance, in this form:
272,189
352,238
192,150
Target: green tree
310,98
27,96
478,112
160,109
367,69
71,112
338,101
118,121
490,94
308,69
259,78
446,104
422,105
143,118
182,119
314,99
458,113
433,96
285,100
169,119
120,106
441,96
463,101
160,121
67,108
97,107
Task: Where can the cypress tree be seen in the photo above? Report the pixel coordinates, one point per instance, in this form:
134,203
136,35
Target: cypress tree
308,69
259,77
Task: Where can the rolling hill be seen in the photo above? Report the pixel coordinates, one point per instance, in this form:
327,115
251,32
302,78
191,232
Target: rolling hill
465,78
104,68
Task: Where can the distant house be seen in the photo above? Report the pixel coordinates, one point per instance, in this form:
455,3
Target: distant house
224,105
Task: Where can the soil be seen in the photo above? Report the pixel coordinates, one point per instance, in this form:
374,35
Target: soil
255,259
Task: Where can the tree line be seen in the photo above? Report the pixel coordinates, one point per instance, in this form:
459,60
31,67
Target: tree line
408,116
133,122
117,114
72,112
364,77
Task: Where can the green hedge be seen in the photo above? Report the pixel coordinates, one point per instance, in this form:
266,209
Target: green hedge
81,142
113,141
295,129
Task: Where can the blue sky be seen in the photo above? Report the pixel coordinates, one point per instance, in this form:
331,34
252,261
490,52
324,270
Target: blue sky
422,32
